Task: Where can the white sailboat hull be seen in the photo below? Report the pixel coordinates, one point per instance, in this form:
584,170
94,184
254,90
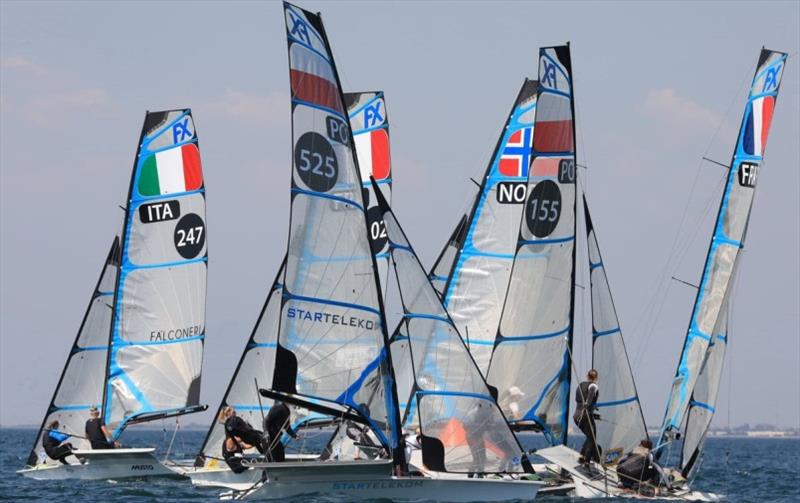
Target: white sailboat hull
103,464
604,482
358,480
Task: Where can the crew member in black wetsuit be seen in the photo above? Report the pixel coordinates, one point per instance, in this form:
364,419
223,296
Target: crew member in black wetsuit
52,443
639,468
96,431
240,430
585,414
276,422
230,448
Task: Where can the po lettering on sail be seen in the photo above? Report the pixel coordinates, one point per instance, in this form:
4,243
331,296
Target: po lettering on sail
176,334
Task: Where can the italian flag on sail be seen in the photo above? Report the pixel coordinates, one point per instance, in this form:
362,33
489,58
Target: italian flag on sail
174,170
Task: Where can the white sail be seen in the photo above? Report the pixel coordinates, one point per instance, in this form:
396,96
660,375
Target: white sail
158,328
621,426
462,427
727,238
478,281
332,335
530,365
81,384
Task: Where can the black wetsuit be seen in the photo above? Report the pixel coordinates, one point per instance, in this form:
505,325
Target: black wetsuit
234,462
275,423
586,406
54,448
635,468
94,433
235,426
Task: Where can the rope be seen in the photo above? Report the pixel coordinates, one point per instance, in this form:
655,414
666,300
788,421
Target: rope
174,433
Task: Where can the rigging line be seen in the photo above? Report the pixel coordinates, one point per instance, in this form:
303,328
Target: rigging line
172,440
659,283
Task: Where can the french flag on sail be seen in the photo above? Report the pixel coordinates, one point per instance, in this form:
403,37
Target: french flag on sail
516,156
756,129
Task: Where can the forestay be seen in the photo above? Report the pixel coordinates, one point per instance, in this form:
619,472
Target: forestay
332,335
530,365
157,333
369,122
622,425
462,427
81,384
477,284
728,236
256,366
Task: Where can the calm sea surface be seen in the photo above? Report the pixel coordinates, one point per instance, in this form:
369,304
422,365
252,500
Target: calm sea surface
744,470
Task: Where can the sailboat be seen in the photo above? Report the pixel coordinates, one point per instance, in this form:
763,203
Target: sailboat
369,122
138,353
332,352
690,407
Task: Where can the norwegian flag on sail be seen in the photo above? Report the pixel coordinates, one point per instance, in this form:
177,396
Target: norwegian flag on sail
516,155
756,129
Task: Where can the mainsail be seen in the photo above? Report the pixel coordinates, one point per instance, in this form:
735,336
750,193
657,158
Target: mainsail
622,425
477,284
369,122
462,428
727,240
530,365
158,327
81,384
332,336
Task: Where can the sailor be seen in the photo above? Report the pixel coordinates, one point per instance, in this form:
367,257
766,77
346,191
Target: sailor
585,415
240,430
277,422
96,431
480,420
53,443
232,451
509,403
639,467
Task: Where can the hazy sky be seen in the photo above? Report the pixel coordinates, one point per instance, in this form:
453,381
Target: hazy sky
658,85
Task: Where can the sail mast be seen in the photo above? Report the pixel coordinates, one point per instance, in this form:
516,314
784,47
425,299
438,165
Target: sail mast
727,239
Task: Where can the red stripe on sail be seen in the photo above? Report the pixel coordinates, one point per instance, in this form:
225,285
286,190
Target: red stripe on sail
381,161
766,119
192,167
544,166
316,90
553,136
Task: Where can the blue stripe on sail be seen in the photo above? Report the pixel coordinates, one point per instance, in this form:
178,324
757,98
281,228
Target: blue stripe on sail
79,349
606,332
723,338
593,266
437,277
702,405
480,396
125,344
478,342
547,335
427,317
102,293
398,246
531,415
130,266
473,252
319,107
614,403
384,181
315,300
239,406
546,241
262,345
547,90
149,138
370,129
139,200
726,241
304,44
327,196
74,407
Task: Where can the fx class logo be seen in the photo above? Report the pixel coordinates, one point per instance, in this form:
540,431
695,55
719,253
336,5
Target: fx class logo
181,131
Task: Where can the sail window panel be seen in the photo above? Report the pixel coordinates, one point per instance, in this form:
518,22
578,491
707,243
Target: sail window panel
328,255
94,333
163,305
258,365
167,377
403,373
737,211
604,318
713,293
173,230
267,330
82,383
471,432
159,136
108,280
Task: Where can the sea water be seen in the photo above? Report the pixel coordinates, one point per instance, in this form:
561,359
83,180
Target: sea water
740,469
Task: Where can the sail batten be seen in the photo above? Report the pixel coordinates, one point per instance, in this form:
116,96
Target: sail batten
726,241
531,361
